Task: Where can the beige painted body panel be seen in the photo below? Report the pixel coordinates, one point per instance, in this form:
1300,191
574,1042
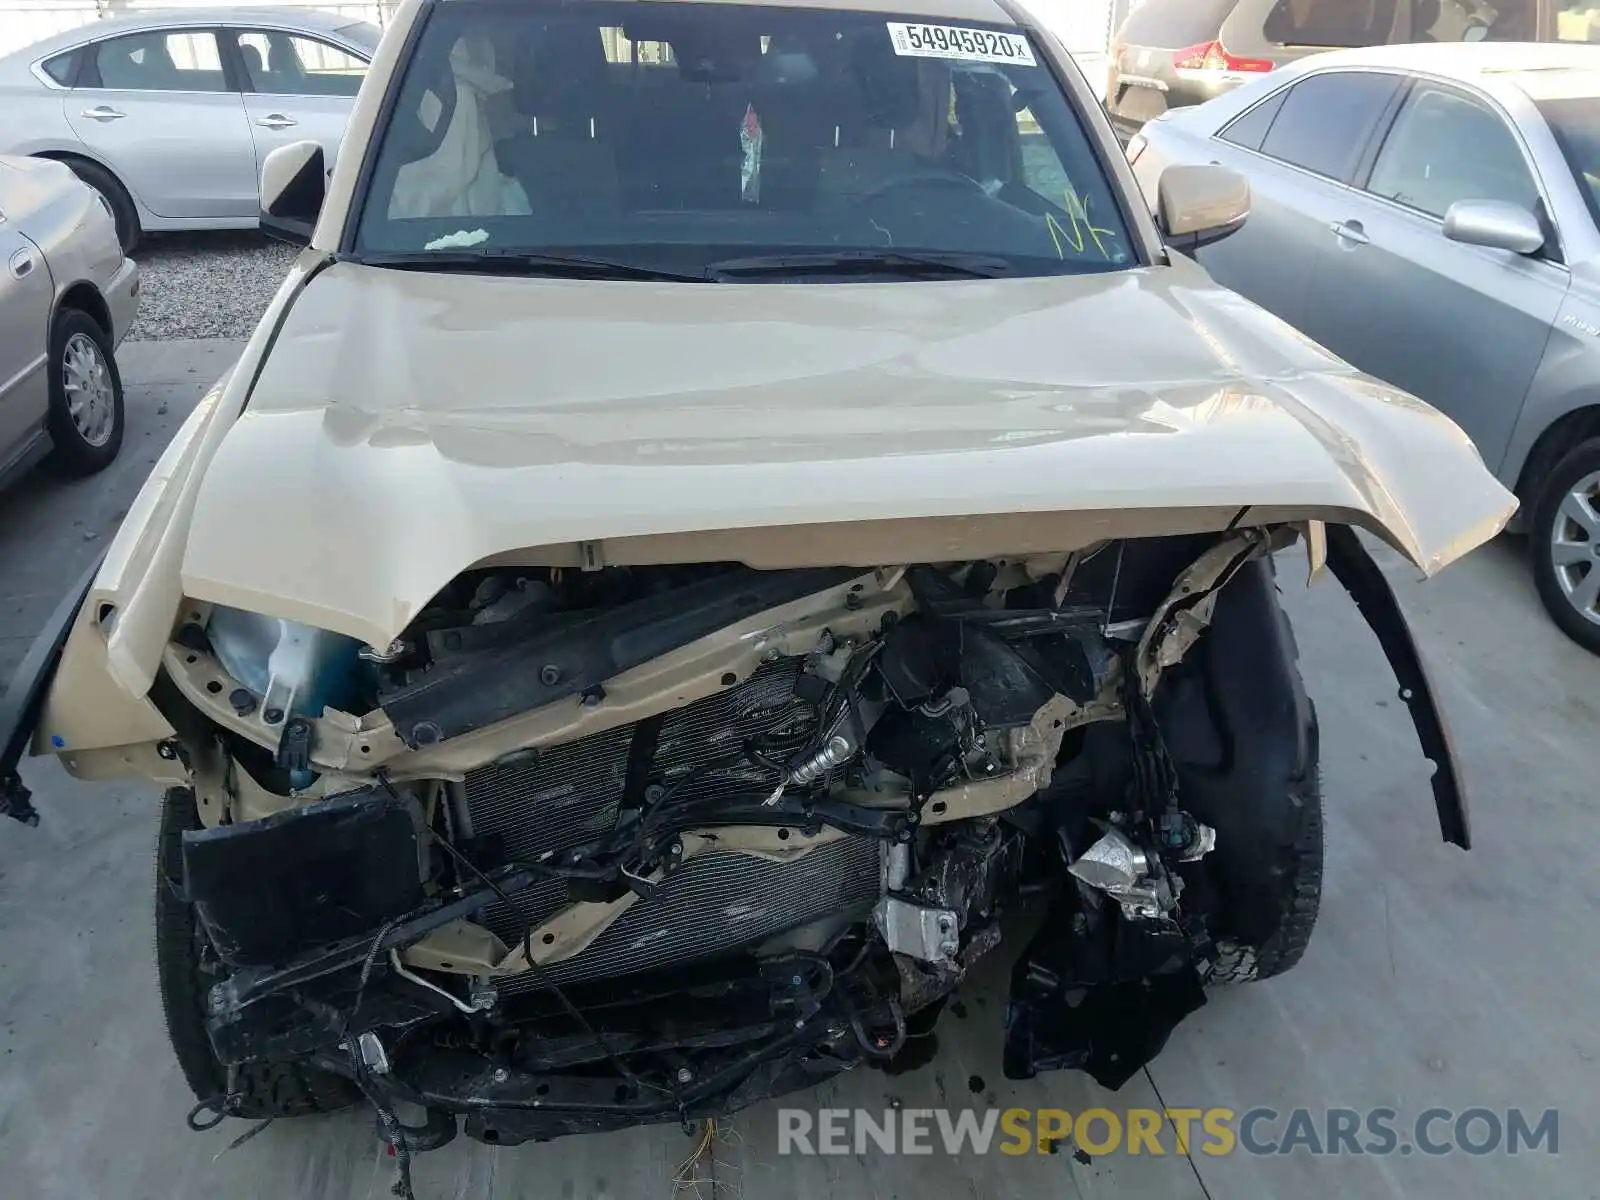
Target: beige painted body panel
99,698
409,425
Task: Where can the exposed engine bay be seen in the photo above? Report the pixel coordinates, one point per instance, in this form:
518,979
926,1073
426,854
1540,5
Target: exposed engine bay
654,843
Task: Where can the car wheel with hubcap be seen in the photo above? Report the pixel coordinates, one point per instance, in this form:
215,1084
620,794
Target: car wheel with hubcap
86,410
1565,542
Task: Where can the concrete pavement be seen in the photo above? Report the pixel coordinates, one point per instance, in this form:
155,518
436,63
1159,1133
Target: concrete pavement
1436,978
51,528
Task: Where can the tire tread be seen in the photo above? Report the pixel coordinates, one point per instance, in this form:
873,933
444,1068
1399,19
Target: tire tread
267,1089
1299,903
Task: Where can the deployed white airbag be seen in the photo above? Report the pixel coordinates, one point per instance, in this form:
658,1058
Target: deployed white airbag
462,177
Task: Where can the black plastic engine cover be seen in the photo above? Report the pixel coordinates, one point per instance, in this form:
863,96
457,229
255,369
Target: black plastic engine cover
558,659
1010,662
269,889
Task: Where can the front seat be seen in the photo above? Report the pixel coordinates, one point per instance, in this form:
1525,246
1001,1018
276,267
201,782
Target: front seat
255,67
461,175
893,120
563,155
1424,16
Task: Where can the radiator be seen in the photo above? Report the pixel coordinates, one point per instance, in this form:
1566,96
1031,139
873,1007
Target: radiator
723,902
569,795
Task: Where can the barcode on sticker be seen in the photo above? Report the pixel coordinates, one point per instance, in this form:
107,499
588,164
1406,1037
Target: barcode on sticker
952,41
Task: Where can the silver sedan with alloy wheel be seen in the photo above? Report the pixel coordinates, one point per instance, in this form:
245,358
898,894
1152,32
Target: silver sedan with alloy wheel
105,98
67,295
1431,214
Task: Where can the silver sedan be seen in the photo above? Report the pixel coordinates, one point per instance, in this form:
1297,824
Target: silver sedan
67,295
169,114
1431,214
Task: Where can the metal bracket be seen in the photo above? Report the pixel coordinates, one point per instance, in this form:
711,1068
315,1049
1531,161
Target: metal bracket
373,1055
923,933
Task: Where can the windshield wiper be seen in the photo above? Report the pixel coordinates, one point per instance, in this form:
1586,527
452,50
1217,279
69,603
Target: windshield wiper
924,263
519,262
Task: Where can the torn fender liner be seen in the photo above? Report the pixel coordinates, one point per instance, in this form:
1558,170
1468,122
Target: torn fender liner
561,658
24,698
270,889
1364,580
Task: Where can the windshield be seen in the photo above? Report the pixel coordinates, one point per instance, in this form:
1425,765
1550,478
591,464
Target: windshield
678,137
1575,122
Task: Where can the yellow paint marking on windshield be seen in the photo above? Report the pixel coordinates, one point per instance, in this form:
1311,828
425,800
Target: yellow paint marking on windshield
1074,236
1083,229
1053,228
1078,211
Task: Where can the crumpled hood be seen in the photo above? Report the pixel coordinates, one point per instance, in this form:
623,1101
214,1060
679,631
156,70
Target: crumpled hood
406,425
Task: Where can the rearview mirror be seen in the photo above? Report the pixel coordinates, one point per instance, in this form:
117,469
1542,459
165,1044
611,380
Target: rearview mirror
294,182
1497,224
1198,205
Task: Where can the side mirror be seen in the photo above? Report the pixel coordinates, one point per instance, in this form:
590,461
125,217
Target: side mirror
294,183
1497,224
1198,205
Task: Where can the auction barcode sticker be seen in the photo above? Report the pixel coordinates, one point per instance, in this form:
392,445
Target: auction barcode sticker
950,41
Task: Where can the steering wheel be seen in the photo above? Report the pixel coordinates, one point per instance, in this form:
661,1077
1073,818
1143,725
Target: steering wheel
927,177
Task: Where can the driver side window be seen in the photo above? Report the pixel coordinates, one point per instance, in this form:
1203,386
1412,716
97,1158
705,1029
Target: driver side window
1445,147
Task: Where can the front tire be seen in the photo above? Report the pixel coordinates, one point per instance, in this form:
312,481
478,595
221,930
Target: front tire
1564,539
1298,903
185,971
1244,738
86,415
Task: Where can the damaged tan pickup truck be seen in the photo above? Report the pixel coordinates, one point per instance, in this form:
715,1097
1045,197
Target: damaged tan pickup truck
736,509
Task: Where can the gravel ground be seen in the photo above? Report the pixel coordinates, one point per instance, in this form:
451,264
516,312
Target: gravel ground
206,285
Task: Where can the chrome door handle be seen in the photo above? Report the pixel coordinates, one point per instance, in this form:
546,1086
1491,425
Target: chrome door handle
22,264
276,121
1351,231
103,112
